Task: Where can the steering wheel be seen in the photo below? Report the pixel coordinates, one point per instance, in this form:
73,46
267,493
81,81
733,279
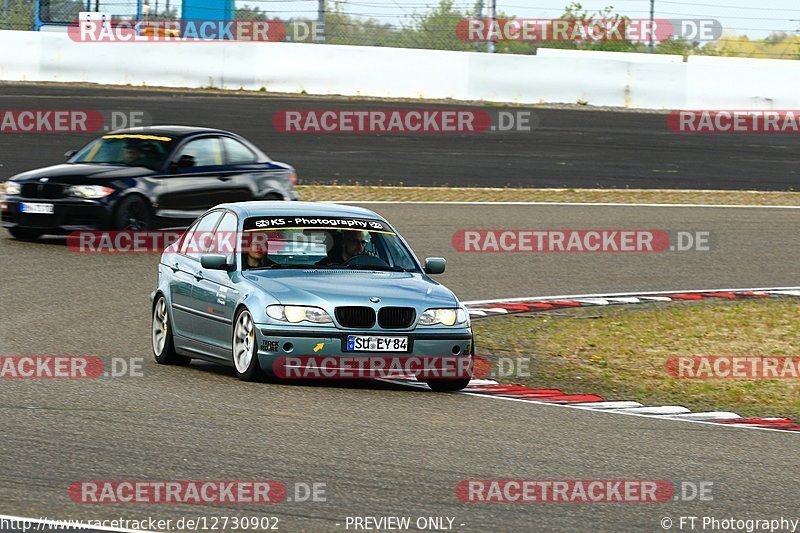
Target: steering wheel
366,260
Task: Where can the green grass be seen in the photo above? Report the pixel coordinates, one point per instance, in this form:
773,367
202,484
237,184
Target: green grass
620,352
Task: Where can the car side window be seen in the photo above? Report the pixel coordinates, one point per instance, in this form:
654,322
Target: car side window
225,238
207,152
201,238
236,153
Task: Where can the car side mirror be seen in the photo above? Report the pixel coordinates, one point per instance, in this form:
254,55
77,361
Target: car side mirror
214,262
434,265
69,153
185,161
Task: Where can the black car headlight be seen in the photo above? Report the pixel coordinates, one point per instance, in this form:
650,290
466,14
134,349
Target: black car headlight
13,188
92,192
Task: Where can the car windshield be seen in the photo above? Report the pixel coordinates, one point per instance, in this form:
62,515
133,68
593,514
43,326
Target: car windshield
131,150
323,243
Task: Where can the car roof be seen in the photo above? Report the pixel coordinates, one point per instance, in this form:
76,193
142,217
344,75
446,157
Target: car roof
318,209
172,131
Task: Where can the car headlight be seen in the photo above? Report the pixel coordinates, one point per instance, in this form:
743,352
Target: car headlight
445,317
89,191
298,313
13,188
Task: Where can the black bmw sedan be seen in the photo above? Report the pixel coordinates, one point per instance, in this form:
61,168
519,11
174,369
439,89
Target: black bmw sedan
147,178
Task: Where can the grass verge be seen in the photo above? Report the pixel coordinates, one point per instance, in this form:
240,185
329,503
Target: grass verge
344,193
620,352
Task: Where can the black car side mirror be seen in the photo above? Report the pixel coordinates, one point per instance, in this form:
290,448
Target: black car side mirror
185,161
69,153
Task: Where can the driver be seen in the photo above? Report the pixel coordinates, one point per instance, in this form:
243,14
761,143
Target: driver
136,154
352,243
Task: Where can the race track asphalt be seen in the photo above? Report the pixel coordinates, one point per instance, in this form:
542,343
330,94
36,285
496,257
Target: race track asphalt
381,449
568,148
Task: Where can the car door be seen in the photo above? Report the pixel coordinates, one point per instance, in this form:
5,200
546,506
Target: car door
244,170
192,189
185,267
214,293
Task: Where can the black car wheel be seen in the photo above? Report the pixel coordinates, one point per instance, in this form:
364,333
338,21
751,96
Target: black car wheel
447,385
25,234
133,213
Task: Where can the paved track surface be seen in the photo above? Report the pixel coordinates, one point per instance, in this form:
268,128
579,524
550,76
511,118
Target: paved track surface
381,449
570,148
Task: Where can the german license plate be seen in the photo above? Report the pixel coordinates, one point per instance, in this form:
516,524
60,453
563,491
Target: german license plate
37,209
369,343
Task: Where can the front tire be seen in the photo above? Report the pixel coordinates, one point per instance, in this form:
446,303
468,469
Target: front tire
245,356
163,344
24,234
448,385
133,213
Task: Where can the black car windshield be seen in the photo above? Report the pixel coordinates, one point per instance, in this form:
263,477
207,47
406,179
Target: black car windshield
132,150
323,243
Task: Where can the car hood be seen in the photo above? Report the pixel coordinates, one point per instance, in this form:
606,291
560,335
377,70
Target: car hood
333,288
73,174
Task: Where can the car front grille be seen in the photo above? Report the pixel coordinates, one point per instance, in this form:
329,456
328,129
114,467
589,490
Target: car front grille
355,316
396,317
49,191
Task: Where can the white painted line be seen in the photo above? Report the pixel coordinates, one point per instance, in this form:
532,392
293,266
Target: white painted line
777,290
609,405
710,415
658,410
67,524
568,204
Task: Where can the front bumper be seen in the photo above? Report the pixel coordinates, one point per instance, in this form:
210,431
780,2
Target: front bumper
275,343
68,215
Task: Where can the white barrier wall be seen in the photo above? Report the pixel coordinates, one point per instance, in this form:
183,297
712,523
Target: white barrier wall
553,76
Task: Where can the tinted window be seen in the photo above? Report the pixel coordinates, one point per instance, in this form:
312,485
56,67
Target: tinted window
206,152
237,153
199,239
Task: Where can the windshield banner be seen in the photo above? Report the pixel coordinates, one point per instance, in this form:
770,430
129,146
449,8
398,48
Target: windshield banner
284,223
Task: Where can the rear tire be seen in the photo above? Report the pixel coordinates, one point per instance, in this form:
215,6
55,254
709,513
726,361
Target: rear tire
163,344
24,234
244,350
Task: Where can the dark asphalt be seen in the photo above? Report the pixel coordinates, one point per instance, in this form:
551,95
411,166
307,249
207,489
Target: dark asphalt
570,148
380,449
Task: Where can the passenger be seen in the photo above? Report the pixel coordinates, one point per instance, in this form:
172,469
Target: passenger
257,249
